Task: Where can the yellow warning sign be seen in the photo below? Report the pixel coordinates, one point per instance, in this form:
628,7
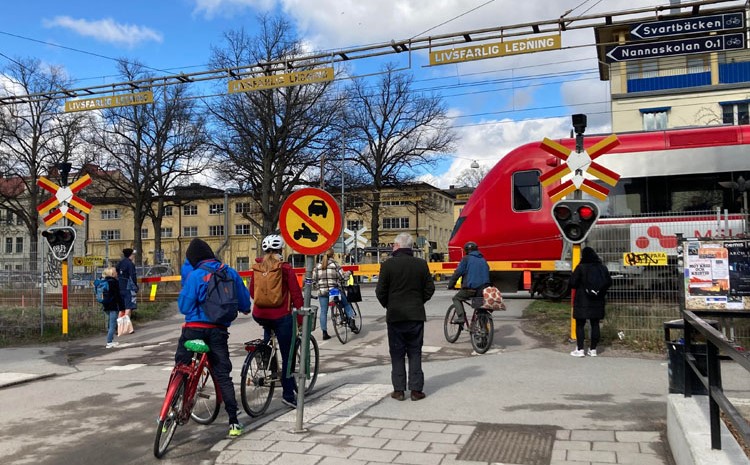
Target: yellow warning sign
495,50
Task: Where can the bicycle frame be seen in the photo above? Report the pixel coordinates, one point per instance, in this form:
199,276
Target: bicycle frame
192,374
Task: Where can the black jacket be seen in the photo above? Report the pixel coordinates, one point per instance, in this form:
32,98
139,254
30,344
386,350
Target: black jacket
404,285
116,304
584,307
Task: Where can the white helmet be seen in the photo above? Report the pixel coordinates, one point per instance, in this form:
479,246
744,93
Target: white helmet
272,242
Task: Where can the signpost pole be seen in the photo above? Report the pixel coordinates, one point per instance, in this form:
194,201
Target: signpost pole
305,352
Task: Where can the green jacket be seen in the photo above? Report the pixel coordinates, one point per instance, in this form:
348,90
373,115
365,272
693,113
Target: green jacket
404,285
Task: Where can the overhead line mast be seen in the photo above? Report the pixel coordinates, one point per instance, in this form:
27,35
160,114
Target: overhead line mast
561,24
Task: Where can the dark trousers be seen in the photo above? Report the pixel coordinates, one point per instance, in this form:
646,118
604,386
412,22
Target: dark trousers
458,299
405,340
580,334
217,340
283,328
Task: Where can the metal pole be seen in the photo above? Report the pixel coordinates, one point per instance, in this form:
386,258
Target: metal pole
304,355
343,209
41,290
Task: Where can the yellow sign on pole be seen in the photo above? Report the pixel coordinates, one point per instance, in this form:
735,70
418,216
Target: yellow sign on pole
90,260
496,49
296,78
121,100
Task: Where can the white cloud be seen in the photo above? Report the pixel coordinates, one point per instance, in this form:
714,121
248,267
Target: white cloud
107,30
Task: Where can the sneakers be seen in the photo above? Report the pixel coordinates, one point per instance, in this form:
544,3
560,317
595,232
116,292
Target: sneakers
352,324
418,395
326,336
591,352
289,402
398,395
578,353
236,429
457,320
112,345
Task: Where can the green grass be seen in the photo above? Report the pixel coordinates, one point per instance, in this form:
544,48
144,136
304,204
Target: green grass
23,326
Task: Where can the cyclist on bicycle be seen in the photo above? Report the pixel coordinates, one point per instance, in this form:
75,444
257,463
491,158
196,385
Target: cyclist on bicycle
279,319
326,276
475,275
198,326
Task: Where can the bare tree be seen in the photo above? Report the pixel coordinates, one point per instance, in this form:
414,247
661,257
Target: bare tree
471,177
270,141
34,138
146,150
393,130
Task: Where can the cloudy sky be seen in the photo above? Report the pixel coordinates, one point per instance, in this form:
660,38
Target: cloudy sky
495,104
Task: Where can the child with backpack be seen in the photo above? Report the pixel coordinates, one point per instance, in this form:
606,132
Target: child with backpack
107,291
590,280
212,294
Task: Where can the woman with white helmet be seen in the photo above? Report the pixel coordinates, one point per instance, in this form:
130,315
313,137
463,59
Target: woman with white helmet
278,317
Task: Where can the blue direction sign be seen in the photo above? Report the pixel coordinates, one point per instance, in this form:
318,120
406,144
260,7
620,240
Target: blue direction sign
694,25
645,51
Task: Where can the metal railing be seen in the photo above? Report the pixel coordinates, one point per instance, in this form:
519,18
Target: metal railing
716,344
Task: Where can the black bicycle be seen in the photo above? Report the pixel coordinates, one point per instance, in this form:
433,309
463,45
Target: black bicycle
481,327
339,318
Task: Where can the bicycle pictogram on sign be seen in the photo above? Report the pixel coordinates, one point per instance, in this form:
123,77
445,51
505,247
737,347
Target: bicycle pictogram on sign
310,221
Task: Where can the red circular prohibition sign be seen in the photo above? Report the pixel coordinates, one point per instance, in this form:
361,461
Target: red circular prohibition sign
310,221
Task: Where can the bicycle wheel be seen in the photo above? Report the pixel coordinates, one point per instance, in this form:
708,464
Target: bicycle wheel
314,363
257,383
482,332
169,419
207,399
340,325
357,318
451,330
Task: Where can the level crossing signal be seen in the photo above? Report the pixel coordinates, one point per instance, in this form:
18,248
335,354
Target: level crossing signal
575,218
60,241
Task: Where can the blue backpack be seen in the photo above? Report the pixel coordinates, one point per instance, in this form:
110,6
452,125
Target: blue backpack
102,291
221,302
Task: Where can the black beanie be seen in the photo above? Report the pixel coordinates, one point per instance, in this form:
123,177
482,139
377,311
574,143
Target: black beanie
198,251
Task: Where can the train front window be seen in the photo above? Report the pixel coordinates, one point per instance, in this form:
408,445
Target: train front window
527,191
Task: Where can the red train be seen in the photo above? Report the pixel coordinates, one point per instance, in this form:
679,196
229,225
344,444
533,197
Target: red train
663,174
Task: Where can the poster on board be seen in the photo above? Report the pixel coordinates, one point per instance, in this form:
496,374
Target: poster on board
717,275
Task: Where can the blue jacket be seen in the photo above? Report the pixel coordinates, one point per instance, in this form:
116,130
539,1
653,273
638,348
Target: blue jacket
473,271
194,291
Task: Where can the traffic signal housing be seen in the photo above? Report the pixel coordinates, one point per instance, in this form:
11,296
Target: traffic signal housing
575,218
60,241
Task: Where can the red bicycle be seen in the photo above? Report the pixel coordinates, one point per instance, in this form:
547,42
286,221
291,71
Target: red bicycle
191,393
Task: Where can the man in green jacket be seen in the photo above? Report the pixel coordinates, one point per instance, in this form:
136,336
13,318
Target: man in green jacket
404,285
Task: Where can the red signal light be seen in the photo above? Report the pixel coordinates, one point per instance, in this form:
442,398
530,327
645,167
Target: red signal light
562,212
586,213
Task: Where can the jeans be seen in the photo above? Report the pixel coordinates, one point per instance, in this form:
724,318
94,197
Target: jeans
111,324
283,327
323,299
405,340
217,340
580,334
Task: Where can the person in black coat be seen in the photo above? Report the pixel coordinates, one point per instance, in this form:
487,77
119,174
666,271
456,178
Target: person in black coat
404,285
112,308
586,306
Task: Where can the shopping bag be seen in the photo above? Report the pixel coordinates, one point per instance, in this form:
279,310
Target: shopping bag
353,293
124,325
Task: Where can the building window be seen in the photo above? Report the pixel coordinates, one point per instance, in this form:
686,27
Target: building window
166,232
144,233
8,245
216,209
166,211
110,234
242,207
654,119
643,69
190,231
354,225
19,220
735,113
190,210
216,230
395,203
396,223
110,214
19,245
242,229
354,201
527,191
242,264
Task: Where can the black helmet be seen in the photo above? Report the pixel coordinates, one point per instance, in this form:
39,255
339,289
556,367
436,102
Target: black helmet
470,247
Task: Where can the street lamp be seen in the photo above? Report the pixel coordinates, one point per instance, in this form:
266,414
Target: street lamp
475,165
230,190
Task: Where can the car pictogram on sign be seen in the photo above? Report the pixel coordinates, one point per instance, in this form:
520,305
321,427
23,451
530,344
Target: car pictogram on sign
305,232
317,207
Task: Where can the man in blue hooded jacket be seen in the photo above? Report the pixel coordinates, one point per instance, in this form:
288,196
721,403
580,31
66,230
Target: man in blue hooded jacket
199,326
474,273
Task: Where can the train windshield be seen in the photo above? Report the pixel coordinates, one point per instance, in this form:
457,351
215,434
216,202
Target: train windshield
527,191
